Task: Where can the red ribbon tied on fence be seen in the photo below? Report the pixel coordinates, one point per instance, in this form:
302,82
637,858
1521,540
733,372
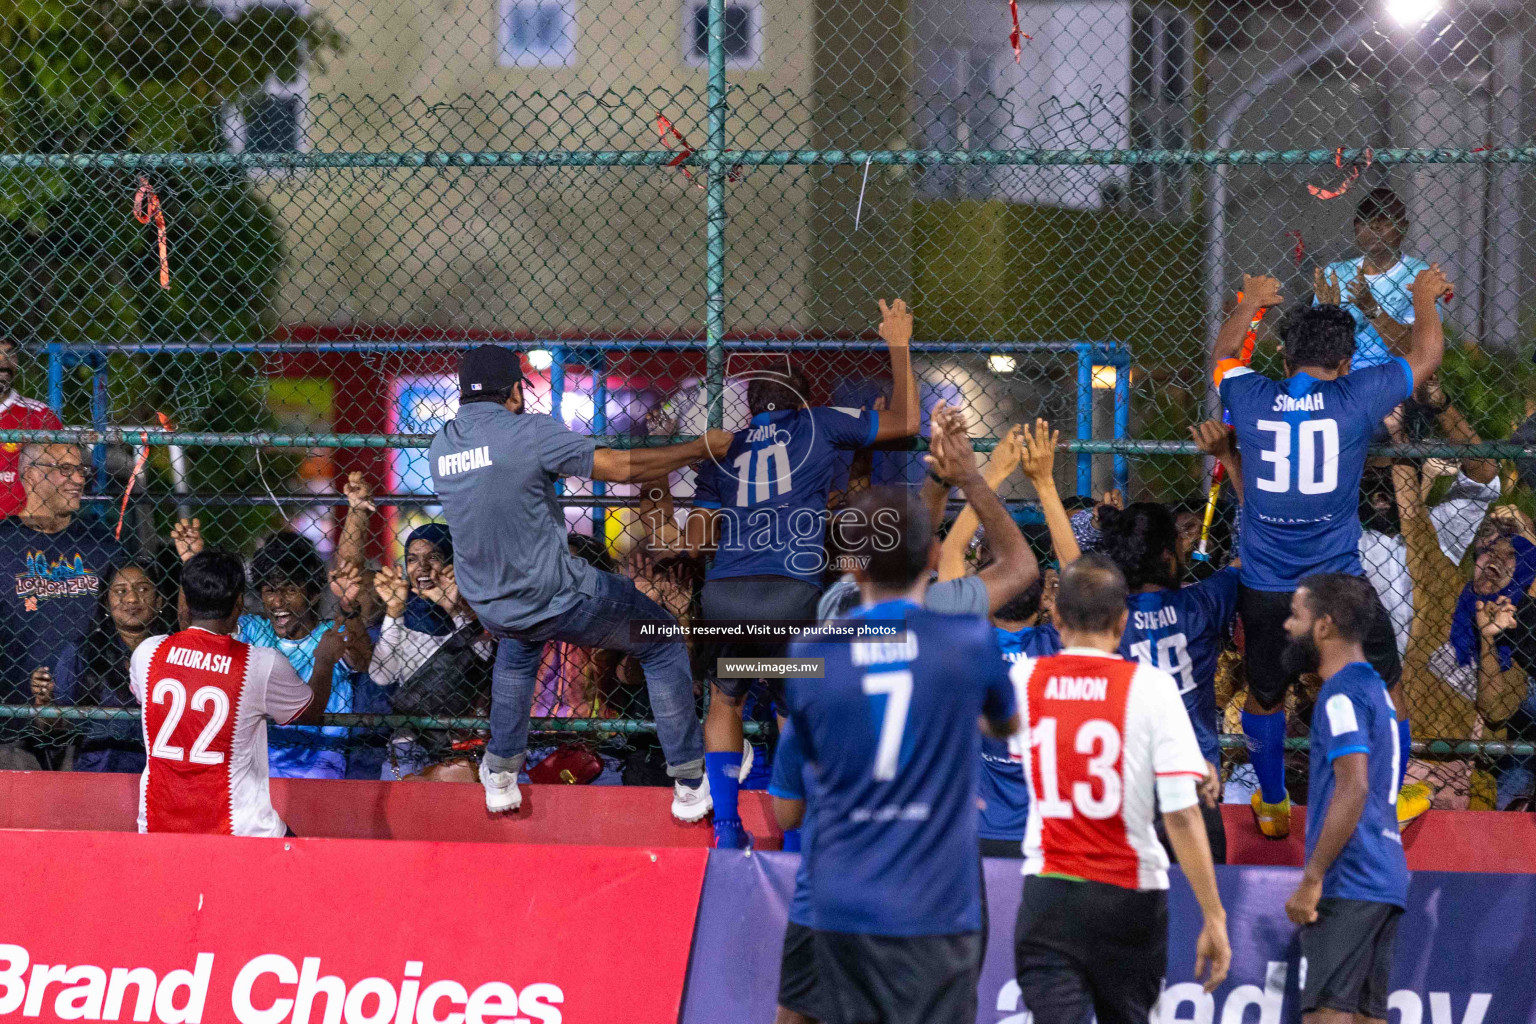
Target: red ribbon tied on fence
146,208
1354,172
1016,37
1299,250
664,128
138,467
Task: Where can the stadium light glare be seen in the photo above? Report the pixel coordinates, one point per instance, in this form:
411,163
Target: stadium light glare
1413,13
1000,363
1103,378
541,359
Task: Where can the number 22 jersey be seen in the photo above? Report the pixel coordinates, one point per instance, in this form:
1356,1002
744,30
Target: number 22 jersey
206,699
1303,443
1104,742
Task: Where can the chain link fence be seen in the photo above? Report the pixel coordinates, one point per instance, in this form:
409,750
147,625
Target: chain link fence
244,243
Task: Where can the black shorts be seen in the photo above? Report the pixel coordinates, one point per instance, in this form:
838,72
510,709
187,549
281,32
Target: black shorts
1082,946
798,990
739,598
1215,834
1012,849
1264,613
878,979
1346,957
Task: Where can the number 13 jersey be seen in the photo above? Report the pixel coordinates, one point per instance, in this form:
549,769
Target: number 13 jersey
206,699
1104,741
1303,443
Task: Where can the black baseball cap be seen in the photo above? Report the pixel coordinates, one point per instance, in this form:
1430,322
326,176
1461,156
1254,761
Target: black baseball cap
489,369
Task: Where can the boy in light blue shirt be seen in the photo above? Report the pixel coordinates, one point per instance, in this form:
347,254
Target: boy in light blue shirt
1376,287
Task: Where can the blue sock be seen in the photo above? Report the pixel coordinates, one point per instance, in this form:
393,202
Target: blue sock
722,769
791,840
1266,751
1404,749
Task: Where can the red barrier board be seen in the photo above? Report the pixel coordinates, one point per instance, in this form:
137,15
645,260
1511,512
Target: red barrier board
195,929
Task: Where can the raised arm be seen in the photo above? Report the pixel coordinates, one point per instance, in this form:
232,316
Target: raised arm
1214,438
1456,429
904,416
351,546
631,465
1398,336
1499,690
1427,347
331,649
1013,565
1259,292
1005,459
1039,463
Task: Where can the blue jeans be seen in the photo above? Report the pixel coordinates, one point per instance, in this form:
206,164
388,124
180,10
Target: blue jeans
599,621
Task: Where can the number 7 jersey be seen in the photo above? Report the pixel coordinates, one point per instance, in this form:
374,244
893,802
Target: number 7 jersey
1104,741
206,699
1303,443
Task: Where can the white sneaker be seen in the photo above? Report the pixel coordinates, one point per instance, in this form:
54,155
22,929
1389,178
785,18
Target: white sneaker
690,804
747,755
501,792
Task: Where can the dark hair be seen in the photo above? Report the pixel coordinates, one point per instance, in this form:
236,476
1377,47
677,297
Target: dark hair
1092,595
288,557
1139,540
213,583
1318,336
1024,604
1350,601
767,392
499,397
1381,203
103,658
890,527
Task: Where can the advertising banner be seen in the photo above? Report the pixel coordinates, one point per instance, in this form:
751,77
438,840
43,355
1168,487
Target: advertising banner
207,929
1465,951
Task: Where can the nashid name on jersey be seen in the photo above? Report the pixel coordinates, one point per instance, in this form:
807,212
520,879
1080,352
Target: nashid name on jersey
188,658
1161,618
1306,403
1076,688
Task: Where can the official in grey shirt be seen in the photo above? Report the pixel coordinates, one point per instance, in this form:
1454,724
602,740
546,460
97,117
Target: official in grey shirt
494,468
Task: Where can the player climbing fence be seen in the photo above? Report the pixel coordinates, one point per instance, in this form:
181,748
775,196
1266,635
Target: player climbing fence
251,239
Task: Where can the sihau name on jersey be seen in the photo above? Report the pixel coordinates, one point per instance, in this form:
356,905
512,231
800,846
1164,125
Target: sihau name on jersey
1306,403
1162,618
459,462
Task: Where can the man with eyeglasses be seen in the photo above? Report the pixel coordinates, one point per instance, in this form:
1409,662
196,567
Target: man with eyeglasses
51,570
16,413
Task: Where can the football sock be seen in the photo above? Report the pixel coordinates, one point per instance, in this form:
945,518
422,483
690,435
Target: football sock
1404,749
722,769
791,840
1266,751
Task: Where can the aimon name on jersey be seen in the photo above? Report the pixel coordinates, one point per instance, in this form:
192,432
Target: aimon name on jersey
1076,688
460,462
1306,403
188,658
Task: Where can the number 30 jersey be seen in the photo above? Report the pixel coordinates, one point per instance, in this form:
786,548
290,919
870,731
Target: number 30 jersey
771,490
206,699
1303,443
1104,742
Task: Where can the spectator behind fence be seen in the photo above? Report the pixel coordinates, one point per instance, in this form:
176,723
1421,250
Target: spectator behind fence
289,577
224,792
16,413
52,565
94,672
1376,286
1504,565
494,467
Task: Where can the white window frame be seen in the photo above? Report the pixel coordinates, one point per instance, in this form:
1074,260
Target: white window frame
235,128
755,39
562,55
1162,191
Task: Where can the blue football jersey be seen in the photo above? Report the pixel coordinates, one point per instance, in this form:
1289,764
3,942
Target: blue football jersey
1303,443
790,782
1181,632
771,490
890,732
1354,715
1000,779
1393,290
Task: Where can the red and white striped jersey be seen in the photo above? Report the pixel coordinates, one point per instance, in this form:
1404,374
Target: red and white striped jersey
1098,733
17,413
207,698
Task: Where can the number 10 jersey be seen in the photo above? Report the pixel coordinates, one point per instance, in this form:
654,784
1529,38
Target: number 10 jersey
1303,443
206,698
1104,742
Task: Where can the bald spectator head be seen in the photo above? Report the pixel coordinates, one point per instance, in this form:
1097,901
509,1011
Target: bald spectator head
53,477
1090,606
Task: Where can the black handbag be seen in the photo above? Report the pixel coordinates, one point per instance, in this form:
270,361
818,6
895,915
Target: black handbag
454,681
